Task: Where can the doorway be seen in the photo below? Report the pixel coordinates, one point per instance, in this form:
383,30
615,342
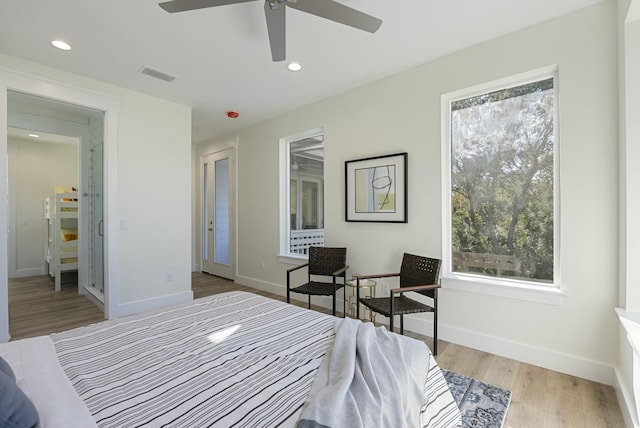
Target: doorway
47,121
218,229
28,84
38,162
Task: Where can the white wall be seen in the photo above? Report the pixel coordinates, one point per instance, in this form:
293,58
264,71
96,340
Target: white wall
629,176
151,165
632,154
34,169
154,173
402,113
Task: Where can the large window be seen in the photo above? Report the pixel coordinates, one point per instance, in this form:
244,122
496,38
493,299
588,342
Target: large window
305,207
501,183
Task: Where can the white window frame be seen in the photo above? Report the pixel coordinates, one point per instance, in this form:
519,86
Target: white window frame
511,288
285,255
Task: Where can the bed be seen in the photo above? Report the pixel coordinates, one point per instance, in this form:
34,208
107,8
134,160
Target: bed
232,359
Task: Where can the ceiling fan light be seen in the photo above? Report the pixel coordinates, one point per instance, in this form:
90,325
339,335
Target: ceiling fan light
294,66
60,44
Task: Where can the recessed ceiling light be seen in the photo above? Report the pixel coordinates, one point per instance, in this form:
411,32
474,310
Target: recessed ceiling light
61,45
294,66
34,136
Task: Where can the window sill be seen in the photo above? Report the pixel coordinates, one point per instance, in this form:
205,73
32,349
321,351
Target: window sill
494,287
292,259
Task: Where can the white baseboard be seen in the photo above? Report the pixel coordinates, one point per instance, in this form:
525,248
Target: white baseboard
22,273
535,355
542,357
138,306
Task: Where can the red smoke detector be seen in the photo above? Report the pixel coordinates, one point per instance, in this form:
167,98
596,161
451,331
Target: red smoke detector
233,114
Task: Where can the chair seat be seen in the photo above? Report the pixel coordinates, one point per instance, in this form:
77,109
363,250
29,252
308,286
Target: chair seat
317,288
401,305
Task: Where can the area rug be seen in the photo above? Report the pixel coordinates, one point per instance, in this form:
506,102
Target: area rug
481,405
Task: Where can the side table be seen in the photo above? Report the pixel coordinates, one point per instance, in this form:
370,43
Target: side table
367,289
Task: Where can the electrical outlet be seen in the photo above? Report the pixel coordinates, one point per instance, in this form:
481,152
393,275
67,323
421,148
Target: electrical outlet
168,276
262,265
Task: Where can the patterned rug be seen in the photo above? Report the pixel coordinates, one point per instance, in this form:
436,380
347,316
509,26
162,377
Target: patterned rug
481,405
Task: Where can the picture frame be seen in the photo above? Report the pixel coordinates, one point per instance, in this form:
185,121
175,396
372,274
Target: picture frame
376,189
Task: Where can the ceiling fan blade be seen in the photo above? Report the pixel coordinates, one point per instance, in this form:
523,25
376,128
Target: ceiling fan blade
276,26
338,12
184,5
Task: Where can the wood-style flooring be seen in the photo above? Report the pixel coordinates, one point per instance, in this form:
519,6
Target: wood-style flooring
540,398
36,309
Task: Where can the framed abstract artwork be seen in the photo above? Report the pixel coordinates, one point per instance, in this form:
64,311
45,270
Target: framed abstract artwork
376,189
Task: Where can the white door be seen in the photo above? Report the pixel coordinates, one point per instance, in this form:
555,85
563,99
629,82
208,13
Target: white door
218,238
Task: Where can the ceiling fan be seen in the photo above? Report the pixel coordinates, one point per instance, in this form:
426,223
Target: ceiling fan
274,11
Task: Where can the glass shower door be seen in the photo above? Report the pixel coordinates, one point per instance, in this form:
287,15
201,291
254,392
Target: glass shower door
96,222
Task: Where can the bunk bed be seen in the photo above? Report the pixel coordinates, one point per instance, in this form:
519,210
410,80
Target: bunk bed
61,216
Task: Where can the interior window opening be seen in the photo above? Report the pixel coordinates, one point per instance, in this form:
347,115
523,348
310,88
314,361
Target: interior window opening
306,194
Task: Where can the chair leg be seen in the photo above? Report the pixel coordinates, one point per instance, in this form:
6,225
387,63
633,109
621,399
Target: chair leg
435,323
435,334
391,299
288,291
402,325
357,299
344,301
309,305
334,302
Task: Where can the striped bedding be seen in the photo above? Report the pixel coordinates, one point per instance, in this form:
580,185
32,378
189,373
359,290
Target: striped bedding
232,359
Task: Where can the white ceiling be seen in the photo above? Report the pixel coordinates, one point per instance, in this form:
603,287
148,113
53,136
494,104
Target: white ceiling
221,55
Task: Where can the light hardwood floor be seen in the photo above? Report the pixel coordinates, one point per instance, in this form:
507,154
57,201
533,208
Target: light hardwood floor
540,398
36,309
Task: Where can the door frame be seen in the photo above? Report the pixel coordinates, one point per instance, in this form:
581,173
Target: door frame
231,271
38,86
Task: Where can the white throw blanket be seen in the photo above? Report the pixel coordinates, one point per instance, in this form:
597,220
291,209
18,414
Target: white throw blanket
369,378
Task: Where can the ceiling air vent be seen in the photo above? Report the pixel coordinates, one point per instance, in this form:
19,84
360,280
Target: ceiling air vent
157,74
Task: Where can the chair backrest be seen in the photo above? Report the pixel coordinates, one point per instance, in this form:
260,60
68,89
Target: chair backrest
418,270
326,260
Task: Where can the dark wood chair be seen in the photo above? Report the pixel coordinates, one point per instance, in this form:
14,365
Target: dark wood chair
323,262
417,274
